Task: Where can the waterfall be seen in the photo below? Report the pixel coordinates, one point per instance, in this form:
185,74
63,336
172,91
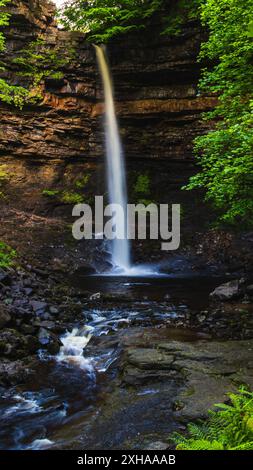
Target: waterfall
116,174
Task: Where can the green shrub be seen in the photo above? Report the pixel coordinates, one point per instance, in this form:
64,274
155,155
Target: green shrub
229,428
142,185
7,255
69,197
3,173
40,61
81,183
9,94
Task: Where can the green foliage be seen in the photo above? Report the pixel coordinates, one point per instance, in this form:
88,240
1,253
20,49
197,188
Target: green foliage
142,185
229,428
50,192
4,21
104,19
82,182
70,197
226,154
142,189
7,255
12,94
38,62
180,12
9,94
4,175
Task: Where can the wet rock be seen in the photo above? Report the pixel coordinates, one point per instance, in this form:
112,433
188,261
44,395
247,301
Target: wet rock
37,305
116,297
15,345
150,359
95,296
204,371
49,341
46,316
228,291
4,315
53,310
28,291
4,277
85,270
49,325
14,372
158,445
249,290
27,329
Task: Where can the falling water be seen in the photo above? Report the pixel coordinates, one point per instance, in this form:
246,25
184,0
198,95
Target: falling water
116,175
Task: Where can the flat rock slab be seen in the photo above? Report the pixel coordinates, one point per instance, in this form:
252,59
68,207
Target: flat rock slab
205,371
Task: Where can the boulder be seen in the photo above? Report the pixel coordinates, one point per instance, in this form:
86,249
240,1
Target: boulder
4,277
228,291
85,270
14,345
37,305
95,296
157,445
49,341
4,315
249,290
14,372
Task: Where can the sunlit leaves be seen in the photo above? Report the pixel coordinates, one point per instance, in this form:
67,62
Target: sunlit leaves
226,154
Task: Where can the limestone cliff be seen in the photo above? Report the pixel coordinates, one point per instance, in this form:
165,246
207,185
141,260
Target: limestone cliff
155,84
51,145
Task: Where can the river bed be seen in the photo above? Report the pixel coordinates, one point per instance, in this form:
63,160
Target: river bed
78,398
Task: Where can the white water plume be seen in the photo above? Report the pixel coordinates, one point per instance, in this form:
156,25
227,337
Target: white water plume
116,174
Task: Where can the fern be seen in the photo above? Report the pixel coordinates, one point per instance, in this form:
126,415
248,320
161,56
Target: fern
228,428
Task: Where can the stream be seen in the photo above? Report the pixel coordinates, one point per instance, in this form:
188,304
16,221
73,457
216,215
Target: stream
67,404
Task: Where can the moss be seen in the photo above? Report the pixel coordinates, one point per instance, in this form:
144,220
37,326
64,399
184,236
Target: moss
4,174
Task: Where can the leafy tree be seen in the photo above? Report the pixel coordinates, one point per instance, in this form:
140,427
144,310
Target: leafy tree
226,154
102,20
228,428
105,19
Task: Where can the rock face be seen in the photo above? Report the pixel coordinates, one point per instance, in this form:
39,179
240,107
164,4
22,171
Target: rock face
46,149
155,84
60,126
4,315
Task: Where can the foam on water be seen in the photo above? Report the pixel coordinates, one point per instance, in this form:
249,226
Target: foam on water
40,444
74,343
